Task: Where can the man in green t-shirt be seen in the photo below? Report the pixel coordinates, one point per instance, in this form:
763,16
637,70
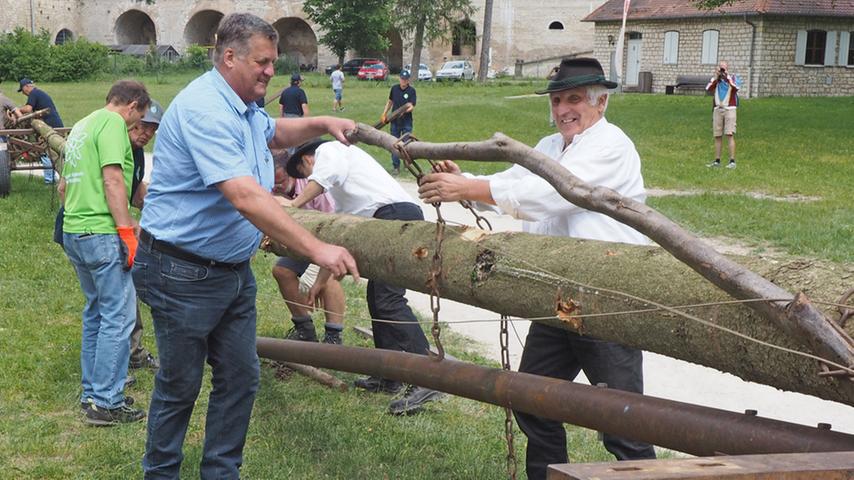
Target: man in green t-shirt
99,239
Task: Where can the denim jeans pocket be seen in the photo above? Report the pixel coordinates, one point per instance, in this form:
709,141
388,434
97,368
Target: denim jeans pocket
96,250
181,271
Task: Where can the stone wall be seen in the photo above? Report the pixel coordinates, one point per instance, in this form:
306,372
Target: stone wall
773,72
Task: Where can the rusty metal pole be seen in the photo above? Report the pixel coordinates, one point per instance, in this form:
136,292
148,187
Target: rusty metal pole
693,429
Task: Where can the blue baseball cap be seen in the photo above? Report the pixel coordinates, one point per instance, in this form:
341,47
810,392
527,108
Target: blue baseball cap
24,82
404,74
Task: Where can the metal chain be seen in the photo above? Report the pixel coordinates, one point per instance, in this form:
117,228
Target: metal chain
435,273
436,267
504,338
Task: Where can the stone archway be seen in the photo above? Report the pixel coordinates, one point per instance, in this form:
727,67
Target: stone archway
297,41
134,27
64,35
393,57
201,29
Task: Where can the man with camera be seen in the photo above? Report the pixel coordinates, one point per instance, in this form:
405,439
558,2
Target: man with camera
724,88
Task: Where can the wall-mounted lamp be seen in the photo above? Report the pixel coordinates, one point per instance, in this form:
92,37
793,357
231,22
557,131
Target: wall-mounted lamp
610,40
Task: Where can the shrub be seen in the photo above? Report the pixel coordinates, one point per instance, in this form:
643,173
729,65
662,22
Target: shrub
76,60
196,57
23,54
286,66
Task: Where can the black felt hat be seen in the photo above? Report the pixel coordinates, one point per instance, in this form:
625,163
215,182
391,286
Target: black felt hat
295,160
577,72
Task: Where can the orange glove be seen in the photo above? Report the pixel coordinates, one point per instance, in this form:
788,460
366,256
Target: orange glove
384,119
130,242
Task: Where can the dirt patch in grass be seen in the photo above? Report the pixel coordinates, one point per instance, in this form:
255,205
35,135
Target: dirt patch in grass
660,192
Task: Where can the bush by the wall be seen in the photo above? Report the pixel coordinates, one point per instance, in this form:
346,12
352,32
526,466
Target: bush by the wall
23,54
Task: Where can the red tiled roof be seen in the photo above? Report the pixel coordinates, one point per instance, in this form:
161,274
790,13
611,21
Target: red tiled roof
655,9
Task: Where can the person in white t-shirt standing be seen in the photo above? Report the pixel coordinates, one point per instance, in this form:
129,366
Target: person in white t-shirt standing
361,186
337,79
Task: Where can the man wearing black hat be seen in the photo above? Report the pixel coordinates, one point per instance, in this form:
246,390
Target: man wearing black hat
36,100
294,102
400,95
600,154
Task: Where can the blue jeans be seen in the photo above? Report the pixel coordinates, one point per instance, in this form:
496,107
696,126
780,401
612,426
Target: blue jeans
48,173
200,314
108,317
398,129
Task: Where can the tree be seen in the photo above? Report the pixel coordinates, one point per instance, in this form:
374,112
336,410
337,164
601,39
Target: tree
348,25
429,21
485,41
712,4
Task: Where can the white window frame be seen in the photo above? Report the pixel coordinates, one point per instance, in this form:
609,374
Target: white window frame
844,48
671,47
709,55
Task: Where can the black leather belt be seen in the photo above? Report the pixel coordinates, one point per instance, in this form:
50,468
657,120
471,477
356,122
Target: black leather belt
181,254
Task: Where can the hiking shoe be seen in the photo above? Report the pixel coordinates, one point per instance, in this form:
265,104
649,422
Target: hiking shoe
716,163
332,338
105,417
413,400
303,334
731,164
148,361
378,385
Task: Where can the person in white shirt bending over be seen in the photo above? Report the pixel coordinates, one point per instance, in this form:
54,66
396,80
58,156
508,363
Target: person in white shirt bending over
600,154
360,186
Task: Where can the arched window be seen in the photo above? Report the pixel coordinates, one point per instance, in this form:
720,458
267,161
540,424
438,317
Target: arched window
555,25
63,36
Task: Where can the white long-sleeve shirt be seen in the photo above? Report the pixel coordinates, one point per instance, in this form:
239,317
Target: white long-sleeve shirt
602,155
355,180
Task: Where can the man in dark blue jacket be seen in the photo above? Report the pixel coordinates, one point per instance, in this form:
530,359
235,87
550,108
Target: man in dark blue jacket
36,100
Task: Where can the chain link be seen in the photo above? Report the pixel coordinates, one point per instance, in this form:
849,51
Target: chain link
435,276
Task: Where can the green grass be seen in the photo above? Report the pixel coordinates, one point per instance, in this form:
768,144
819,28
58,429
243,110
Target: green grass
300,430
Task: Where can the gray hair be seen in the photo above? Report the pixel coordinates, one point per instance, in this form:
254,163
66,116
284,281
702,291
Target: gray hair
236,29
595,92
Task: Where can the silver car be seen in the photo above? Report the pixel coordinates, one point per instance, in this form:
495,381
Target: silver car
424,73
455,70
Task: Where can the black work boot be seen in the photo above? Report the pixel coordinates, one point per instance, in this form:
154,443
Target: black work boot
378,385
413,400
303,330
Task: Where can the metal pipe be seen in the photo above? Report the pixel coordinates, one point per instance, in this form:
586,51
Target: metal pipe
750,60
679,426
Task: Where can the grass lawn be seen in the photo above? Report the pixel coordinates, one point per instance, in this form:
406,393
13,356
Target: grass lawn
787,147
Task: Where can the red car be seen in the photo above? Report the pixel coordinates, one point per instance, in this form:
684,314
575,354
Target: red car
373,71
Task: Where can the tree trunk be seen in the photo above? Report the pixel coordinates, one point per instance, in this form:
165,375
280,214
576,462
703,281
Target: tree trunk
509,273
793,314
485,41
417,46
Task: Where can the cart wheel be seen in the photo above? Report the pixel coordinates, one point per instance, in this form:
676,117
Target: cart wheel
5,171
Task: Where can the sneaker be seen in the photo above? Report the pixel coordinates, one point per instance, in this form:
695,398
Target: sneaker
413,400
304,334
395,172
731,164
148,361
105,417
130,381
716,163
341,109
378,385
332,338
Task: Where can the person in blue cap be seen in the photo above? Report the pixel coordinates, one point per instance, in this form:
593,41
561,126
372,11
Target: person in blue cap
294,102
400,95
38,99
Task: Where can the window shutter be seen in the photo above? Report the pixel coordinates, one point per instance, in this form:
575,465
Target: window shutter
844,45
830,49
801,48
671,47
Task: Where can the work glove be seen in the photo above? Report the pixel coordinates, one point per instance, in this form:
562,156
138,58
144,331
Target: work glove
383,119
129,245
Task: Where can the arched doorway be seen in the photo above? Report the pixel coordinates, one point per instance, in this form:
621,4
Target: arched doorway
201,29
464,40
64,35
135,28
297,41
393,57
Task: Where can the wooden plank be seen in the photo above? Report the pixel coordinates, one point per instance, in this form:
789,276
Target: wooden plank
29,131
795,466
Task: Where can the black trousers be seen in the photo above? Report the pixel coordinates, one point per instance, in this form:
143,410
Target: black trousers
387,302
557,353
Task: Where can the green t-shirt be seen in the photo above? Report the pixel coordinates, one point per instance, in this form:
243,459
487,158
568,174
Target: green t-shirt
96,141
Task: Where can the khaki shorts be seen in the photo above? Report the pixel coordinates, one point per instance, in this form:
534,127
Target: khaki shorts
723,121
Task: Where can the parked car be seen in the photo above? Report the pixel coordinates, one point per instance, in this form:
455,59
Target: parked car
455,70
424,73
352,66
373,71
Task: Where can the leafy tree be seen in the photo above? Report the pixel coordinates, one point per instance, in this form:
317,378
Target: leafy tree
350,25
429,20
712,4
23,54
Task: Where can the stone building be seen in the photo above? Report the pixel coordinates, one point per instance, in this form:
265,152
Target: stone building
777,47
521,30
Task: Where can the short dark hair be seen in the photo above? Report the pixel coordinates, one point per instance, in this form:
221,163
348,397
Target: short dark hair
280,158
236,29
124,92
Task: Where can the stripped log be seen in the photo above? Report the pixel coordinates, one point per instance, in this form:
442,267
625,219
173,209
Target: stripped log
317,375
510,272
